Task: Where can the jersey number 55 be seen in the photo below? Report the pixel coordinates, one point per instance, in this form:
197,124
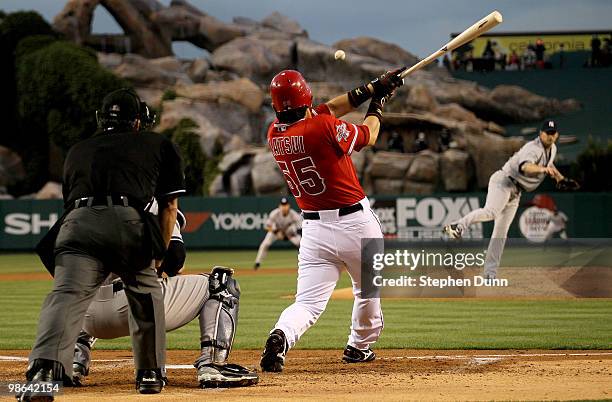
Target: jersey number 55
302,176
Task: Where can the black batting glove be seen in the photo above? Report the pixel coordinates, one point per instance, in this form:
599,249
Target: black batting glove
387,83
376,106
383,86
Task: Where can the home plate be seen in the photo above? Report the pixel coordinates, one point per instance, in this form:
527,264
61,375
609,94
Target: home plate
484,360
180,366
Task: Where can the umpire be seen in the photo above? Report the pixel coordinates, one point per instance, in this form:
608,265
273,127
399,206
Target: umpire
108,179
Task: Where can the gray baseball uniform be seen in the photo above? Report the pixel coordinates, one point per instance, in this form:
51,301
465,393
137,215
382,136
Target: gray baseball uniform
181,221
503,197
282,226
212,297
184,297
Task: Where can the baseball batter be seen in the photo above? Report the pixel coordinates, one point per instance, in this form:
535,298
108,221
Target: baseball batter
312,148
524,171
283,224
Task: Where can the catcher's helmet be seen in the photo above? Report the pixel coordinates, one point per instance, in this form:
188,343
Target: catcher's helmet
289,91
120,110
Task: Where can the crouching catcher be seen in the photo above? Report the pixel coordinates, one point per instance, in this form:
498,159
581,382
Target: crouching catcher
214,298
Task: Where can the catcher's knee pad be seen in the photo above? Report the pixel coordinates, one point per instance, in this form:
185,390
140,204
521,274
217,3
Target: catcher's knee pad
219,317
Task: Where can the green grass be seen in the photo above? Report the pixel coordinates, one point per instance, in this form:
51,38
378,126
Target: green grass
430,324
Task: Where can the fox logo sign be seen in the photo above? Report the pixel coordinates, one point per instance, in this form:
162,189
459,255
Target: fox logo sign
413,218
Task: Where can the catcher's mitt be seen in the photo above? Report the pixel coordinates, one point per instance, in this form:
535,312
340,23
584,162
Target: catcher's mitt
568,185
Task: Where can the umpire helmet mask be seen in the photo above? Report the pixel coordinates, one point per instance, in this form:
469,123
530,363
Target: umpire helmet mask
123,110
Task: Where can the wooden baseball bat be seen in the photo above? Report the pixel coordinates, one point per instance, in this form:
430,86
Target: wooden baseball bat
480,27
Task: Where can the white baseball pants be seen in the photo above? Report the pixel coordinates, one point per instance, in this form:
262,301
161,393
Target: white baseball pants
328,245
503,199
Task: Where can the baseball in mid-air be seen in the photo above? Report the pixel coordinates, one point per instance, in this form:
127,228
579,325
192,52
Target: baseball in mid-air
339,55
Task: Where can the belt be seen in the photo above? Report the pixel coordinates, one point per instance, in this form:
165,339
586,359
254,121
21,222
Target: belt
341,212
108,200
516,183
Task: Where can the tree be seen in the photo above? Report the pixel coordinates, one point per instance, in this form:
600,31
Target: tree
593,166
13,28
199,169
60,85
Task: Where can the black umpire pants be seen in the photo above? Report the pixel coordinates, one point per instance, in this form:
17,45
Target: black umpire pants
91,242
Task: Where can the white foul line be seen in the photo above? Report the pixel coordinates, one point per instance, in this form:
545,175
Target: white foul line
480,359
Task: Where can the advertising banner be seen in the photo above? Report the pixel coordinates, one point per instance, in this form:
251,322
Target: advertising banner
238,222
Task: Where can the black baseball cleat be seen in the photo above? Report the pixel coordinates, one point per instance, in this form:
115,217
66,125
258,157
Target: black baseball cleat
225,376
453,231
150,381
354,355
273,356
256,266
42,377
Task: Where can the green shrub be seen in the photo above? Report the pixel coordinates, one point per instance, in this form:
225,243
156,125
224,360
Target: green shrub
13,28
60,87
200,169
169,94
194,159
593,166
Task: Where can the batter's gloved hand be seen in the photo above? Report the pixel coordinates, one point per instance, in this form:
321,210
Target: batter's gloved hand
377,104
387,83
567,184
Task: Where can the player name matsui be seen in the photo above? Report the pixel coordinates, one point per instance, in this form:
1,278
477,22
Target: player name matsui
287,145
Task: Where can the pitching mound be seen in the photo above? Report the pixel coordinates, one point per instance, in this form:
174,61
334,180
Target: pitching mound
395,375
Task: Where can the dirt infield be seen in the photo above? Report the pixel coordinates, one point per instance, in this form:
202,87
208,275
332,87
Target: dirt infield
395,375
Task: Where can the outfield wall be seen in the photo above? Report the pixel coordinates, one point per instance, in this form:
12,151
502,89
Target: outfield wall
238,222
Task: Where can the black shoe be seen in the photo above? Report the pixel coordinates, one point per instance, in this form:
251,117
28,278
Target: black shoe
354,355
225,376
149,381
273,356
42,376
256,266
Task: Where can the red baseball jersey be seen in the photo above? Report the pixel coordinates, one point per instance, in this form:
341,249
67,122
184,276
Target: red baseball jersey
314,156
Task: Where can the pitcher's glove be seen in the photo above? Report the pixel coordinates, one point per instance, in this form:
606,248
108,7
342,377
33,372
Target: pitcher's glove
568,185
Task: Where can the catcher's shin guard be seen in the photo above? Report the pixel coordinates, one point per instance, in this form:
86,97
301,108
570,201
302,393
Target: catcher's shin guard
219,317
82,357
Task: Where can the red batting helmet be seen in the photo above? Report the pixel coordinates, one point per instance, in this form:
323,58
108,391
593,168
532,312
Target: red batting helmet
289,90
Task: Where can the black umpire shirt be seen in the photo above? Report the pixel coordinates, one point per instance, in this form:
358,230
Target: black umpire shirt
139,165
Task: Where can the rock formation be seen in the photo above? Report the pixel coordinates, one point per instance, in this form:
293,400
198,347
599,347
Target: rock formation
225,93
